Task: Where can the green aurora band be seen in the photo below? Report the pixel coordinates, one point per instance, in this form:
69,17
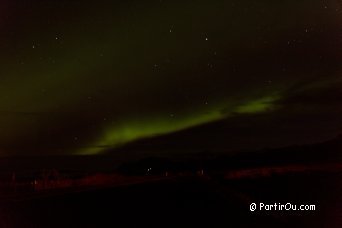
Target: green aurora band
115,136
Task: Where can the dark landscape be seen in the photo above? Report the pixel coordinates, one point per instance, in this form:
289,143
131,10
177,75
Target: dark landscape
156,192
164,113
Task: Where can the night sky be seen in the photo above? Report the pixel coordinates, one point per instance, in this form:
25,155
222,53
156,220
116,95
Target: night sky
86,77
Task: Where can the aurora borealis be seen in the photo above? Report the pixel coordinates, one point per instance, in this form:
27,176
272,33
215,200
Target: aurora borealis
85,77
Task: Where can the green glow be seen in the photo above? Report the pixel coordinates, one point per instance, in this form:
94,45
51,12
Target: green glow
148,127
256,106
129,131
